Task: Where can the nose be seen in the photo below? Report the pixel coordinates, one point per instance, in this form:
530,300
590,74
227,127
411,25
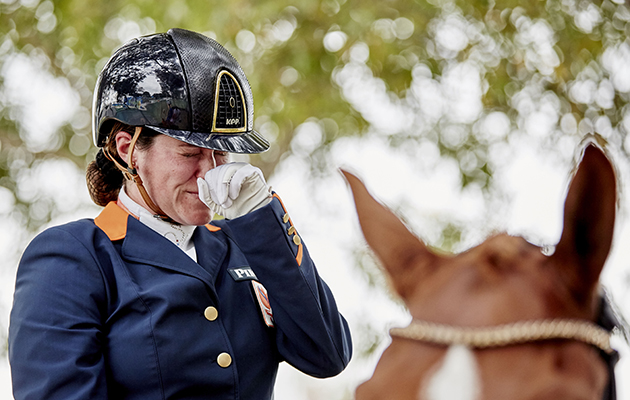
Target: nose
209,160
206,162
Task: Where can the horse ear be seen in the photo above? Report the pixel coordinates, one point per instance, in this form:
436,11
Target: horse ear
401,253
589,218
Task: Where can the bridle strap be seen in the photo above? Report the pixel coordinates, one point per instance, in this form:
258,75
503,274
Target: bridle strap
131,173
508,334
132,146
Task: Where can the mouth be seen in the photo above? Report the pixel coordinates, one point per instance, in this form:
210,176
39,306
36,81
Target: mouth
192,194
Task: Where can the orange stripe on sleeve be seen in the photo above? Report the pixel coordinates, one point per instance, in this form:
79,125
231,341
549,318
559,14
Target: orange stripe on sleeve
300,252
299,255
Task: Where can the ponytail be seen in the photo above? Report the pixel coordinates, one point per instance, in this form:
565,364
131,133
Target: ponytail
104,179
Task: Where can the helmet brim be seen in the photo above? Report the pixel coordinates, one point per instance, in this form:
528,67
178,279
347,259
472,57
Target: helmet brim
250,142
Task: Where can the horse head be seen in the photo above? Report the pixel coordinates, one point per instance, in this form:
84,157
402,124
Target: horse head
502,320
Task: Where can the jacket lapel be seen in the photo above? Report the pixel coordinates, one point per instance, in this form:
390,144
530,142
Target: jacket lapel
211,251
144,245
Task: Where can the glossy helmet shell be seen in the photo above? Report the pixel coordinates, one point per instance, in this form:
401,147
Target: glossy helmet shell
182,84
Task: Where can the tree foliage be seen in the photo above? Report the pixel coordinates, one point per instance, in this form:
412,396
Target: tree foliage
461,75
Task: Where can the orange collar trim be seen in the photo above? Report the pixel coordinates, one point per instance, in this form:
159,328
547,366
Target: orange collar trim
213,228
113,221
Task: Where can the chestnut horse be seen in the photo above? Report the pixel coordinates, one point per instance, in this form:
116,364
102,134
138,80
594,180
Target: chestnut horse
502,320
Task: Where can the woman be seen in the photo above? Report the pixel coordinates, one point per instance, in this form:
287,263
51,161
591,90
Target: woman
148,300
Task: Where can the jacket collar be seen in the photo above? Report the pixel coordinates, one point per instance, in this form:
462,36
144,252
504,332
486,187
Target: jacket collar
113,221
143,245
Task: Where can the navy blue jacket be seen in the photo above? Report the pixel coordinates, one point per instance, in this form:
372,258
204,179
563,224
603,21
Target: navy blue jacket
110,309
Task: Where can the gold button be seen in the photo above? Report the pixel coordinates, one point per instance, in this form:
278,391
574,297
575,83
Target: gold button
291,230
211,313
297,240
285,218
224,360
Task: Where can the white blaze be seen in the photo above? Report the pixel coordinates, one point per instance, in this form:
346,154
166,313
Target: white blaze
456,378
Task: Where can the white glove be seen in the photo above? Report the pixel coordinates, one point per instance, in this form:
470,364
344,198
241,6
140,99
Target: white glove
233,190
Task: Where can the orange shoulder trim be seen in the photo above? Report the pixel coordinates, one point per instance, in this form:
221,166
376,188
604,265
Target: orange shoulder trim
113,221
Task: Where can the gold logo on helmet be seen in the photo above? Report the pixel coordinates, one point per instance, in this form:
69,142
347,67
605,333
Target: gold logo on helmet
230,110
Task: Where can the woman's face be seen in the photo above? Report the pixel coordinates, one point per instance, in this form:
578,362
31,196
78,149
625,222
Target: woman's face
169,169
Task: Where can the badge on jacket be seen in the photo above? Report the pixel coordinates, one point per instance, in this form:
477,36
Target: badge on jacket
263,302
242,273
246,273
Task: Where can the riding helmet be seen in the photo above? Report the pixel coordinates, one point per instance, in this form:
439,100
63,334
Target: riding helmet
182,84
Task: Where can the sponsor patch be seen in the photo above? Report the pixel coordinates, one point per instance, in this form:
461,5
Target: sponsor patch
242,273
263,302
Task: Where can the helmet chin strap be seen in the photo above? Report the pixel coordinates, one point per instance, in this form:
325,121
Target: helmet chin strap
131,173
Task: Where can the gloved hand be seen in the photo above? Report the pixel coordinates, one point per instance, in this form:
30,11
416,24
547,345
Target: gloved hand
233,190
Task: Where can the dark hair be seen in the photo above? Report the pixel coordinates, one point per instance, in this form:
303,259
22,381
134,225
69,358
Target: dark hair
104,178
